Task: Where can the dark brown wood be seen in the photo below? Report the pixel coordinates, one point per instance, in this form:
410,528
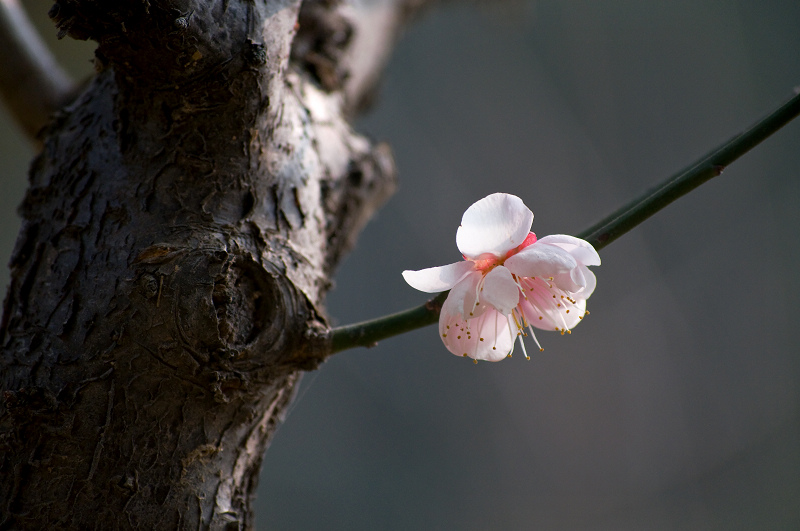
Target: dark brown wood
179,233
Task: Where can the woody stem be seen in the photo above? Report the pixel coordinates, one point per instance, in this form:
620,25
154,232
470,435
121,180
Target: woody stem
602,233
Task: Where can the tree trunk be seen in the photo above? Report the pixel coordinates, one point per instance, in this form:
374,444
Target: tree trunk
178,237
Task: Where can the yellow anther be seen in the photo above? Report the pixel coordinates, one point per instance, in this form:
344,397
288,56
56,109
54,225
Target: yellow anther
540,317
481,339
567,311
475,362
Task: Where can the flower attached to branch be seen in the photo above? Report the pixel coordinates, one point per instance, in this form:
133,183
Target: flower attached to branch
509,282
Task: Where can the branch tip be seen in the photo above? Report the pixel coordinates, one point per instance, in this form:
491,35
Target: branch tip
368,333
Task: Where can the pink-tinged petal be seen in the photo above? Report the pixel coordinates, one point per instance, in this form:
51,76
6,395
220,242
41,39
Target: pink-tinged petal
581,250
549,308
487,337
500,290
572,281
541,260
463,298
591,283
495,225
436,279
552,320
565,282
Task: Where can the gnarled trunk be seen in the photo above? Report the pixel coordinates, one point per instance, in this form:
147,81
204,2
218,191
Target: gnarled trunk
179,234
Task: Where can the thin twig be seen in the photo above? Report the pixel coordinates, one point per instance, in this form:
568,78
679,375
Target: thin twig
368,333
31,82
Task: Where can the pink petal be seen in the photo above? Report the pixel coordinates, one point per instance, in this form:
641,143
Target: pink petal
549,308
487,337
571,281
500,290
463,297
591,283
436,279
541,260
581,250
495,224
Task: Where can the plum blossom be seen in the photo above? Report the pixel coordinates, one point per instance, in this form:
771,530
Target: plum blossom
509,282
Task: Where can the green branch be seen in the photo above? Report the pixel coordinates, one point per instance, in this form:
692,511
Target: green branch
368,333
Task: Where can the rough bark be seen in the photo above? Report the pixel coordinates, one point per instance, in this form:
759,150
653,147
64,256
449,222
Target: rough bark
179,234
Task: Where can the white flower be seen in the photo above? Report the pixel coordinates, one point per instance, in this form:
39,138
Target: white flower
508,282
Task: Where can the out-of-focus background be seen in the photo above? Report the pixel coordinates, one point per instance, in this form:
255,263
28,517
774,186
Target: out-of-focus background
676,404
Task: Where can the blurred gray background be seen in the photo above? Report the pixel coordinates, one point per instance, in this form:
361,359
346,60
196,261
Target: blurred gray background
676,404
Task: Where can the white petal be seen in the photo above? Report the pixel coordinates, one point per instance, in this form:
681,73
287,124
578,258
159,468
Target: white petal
495,224
487,337
463,298
581,250
549,308
436,279
541,260
500,290
591,283
572,281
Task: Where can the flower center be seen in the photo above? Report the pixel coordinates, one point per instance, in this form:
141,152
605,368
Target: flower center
487,262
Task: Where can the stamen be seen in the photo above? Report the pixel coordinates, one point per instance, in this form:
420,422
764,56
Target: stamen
519,285
513,339
478,289
522,343
514,316
536,340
